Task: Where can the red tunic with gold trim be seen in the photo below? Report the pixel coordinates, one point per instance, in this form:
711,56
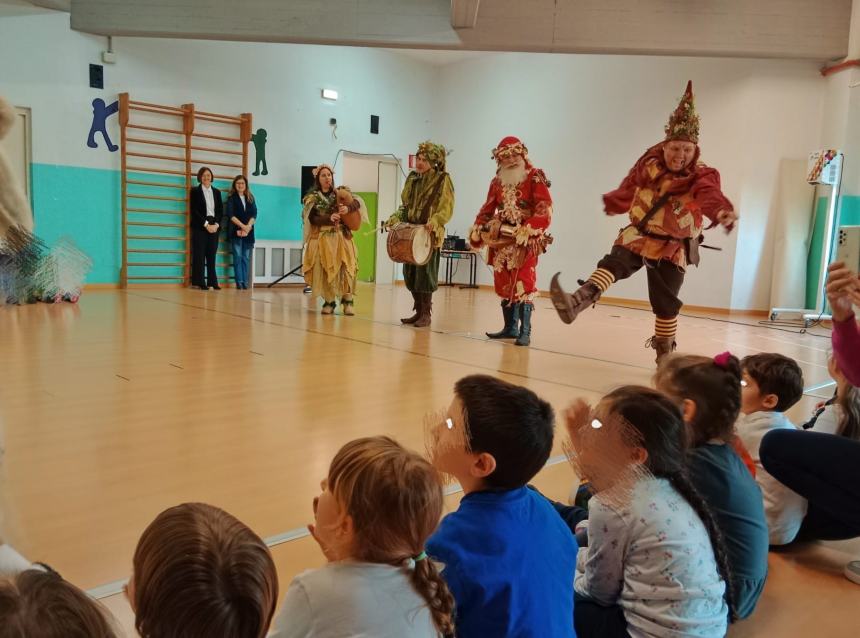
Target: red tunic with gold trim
527,207
694,195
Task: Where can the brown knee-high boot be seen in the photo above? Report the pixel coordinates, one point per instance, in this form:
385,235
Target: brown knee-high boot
416,306
425,308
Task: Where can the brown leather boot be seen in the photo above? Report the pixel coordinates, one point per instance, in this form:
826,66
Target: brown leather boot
663,345
425,308
569,306
416,306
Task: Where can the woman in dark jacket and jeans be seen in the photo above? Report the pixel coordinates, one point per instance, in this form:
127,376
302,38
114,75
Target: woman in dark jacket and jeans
242,215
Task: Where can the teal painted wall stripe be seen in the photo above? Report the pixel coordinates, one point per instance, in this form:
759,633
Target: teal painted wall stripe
280,212
849,212
84,203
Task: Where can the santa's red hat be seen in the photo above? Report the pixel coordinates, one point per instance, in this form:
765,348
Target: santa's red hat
510,145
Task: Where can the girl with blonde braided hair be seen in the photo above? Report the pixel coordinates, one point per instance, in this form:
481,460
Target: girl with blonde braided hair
379,504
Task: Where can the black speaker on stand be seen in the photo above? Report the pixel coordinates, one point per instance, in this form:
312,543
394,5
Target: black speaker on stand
307,180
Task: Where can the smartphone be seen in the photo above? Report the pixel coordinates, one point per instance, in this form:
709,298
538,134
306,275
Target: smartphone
848,246
848,250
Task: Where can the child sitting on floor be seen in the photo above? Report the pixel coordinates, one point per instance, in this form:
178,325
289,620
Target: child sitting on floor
656,564
770,384
508,558
708,391
379,503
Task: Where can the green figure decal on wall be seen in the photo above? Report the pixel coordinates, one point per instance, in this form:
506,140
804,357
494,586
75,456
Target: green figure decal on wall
259,139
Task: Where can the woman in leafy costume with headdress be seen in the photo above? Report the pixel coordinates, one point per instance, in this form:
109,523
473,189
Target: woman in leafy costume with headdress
330,261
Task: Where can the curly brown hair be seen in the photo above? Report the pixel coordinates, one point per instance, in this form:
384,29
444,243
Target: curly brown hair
248,194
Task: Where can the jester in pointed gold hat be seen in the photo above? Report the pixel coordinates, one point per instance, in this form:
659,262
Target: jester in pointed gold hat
669,197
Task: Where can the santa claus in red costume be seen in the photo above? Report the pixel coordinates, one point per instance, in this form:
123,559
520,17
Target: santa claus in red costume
512,223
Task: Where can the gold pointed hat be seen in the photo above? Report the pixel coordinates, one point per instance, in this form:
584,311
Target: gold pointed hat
684,122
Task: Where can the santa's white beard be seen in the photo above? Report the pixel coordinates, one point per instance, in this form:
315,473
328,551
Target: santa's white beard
512,176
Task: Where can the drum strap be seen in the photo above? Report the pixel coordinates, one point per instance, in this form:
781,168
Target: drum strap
437,190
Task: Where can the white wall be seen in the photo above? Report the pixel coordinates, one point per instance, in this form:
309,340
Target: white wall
840,126
586,119
280,84
361,173
835,110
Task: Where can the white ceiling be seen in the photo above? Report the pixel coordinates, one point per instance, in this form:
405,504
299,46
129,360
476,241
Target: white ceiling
11,8
799,29
438,57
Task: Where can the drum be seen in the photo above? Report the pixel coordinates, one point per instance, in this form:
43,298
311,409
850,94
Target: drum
504,237
410,244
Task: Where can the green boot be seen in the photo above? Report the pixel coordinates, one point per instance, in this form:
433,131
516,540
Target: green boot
525,337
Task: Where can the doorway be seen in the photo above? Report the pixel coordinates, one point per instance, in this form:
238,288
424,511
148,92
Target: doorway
374,178
16,146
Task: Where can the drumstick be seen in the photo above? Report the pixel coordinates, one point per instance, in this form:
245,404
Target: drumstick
373,231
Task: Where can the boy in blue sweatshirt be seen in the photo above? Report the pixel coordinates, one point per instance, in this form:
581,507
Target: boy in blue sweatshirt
509,559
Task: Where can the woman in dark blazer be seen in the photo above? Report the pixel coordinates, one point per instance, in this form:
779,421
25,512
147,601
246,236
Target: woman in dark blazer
241,216
206,214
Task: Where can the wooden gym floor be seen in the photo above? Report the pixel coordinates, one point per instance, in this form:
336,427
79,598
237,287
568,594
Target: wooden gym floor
132,401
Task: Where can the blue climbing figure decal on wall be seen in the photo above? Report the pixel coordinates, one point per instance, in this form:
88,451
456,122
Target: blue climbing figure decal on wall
101,112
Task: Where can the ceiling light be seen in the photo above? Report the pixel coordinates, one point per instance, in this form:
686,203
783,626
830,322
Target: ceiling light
329,94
